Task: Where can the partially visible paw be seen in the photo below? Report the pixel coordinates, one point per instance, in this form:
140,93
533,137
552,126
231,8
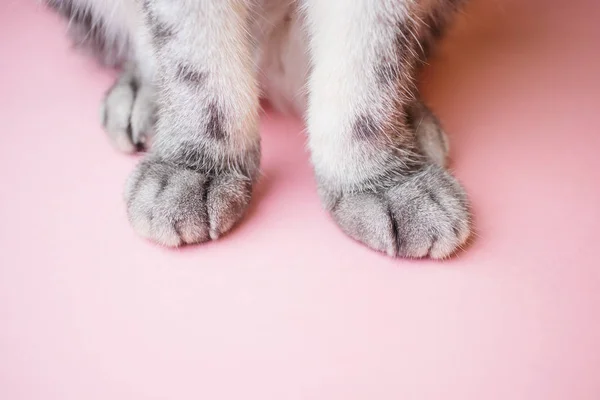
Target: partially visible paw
424,214
173,205
431,138
128,114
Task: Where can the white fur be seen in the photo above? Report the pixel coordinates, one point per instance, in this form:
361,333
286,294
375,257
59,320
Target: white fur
281,43
222,51
346,39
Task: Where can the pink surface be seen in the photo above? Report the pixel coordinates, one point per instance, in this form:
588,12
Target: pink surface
287,307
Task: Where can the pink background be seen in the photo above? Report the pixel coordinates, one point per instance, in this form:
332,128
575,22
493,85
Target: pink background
287,307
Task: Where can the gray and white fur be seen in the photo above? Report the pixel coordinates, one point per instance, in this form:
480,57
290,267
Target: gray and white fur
193,74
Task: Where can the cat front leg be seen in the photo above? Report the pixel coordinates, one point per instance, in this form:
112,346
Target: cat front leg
377,180
197,180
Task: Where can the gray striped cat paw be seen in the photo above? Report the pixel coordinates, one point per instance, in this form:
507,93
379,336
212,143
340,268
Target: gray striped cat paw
173,205
425,214
128,114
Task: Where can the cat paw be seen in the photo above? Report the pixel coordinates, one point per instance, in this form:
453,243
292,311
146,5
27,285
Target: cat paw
431,138
128,114
173,205
424,214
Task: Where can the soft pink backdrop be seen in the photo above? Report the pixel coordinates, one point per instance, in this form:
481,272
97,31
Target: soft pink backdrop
287,307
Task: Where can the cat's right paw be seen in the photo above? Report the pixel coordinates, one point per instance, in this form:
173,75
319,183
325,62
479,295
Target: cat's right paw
173,205
128,114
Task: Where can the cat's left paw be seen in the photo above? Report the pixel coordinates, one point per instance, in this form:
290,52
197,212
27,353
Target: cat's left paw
424,214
